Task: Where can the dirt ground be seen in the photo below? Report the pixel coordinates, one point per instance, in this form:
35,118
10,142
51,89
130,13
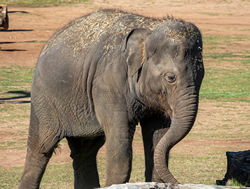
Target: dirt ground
31,27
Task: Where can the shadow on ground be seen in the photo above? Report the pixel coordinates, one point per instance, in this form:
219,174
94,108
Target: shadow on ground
16,99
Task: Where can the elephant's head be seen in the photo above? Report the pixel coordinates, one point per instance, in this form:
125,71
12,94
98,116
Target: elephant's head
166,68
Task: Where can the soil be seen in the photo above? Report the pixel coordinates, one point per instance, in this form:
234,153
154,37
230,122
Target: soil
30,28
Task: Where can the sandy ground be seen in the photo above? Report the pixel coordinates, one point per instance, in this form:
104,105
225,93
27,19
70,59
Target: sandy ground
31,27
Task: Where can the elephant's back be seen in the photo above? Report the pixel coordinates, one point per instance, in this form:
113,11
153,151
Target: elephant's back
82,32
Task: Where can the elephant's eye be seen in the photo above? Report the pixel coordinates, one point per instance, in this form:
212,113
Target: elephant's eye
170,77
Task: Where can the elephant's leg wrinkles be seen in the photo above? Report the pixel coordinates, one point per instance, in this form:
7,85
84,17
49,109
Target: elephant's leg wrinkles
41,144
119,155
119,161
37,159
113,117
34,169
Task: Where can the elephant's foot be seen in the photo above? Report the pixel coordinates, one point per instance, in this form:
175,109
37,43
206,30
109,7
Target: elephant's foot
34,169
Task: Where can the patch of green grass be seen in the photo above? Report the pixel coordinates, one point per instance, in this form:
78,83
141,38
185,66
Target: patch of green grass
7,144
215,47
215,55
15,78
9,177
18,144
40,3
226,56
55,177
232,183
101,162
204,168
138,168
34,41
221,84
207,135
55,174
14,114
223,40
13,145
218,136
236,183
210,14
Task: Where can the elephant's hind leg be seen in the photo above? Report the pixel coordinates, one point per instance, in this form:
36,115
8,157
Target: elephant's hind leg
83,153
34,169
41,144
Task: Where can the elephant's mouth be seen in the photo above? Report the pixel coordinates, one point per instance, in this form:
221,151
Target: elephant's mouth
164,105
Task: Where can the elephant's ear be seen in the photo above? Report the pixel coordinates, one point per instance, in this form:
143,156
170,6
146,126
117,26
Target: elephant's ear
133,49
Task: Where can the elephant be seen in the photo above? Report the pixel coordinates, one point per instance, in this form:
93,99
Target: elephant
98,78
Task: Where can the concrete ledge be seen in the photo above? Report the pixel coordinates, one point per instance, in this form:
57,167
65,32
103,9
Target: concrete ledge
154,185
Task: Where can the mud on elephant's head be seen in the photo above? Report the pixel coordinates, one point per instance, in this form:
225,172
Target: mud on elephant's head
167,70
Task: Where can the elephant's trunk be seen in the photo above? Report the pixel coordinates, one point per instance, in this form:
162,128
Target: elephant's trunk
183,117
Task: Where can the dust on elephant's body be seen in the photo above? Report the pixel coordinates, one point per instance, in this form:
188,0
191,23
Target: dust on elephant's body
101,75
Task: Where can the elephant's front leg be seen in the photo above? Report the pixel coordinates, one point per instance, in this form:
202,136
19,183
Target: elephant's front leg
119,151
153,128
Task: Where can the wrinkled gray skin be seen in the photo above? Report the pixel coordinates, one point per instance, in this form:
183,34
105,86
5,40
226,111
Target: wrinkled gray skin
99,77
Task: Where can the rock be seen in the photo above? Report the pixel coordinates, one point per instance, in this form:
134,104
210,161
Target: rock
154,185
238,167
